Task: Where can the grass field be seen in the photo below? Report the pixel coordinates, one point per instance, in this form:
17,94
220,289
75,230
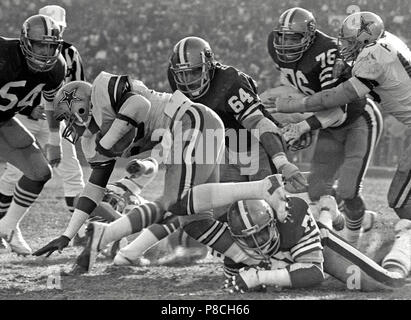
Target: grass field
27,278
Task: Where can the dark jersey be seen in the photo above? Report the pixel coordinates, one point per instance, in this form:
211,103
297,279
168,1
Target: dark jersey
20,88
314,71
232,95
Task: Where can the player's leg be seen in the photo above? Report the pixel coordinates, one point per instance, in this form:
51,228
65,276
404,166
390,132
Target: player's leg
70,171
132,254
399,198
17,147
361,139
325,163
11,174
353,268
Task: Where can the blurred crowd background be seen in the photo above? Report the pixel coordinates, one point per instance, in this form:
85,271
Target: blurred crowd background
136,37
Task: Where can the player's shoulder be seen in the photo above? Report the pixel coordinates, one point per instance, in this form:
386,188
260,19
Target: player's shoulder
322,43
11,57
294,228
233,76
383,51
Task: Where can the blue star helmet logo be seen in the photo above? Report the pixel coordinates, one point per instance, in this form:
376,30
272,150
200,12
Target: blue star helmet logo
365,27
69,97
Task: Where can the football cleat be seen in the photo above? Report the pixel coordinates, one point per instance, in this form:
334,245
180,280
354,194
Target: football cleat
121,260
339,222
113,248
17,243
95,232
182,256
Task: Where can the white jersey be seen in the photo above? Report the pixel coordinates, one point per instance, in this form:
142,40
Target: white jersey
110,97
385,68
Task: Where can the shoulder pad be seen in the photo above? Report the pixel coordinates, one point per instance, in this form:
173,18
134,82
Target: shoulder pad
371,61
292,230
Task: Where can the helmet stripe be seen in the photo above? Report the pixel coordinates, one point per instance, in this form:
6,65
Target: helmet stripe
289,17
182,52
245,217
47,26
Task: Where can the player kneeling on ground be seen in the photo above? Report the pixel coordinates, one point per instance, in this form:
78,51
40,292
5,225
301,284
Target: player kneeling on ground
296,253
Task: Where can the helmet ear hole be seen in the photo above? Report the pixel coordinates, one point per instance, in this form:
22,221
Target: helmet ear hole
81,111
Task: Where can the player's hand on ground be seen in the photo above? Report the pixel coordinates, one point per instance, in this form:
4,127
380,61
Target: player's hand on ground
136,167
53,155
57,244
246,280
294,181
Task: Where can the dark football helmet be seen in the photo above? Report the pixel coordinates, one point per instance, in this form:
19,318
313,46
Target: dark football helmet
252,224
192,66
357,31
294,34
73,104
40,42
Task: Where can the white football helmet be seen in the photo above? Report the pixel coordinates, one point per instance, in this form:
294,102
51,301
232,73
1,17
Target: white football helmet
73,104
357,31
57,13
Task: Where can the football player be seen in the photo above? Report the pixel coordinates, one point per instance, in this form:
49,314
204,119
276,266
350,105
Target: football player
33,119
32,66
297,253
306,57
249,129
118,116
381,65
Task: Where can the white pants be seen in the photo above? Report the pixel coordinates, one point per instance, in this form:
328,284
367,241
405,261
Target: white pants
69,169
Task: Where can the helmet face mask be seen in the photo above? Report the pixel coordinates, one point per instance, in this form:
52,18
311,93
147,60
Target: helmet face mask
253,227
40,42
294,34
192,65
357,31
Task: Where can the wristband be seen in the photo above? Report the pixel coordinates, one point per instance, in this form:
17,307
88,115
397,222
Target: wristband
280,160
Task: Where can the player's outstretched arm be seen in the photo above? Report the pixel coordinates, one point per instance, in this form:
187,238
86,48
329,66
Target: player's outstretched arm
344,93
91,196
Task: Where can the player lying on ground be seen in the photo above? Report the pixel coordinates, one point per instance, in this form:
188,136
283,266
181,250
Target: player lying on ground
381,65
117,116
296,253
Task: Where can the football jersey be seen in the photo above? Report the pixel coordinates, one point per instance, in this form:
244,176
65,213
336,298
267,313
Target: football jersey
385,68
300,238
233,96
314,71
109,97
20,87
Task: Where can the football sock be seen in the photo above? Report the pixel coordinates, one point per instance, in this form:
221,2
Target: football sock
399,258
25,193
138,218
5,202
213,195
70,203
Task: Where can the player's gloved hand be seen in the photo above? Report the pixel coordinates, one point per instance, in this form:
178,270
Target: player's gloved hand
57,244
292,132
38,113
273,192
246,280
294,182
53,154
289,105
